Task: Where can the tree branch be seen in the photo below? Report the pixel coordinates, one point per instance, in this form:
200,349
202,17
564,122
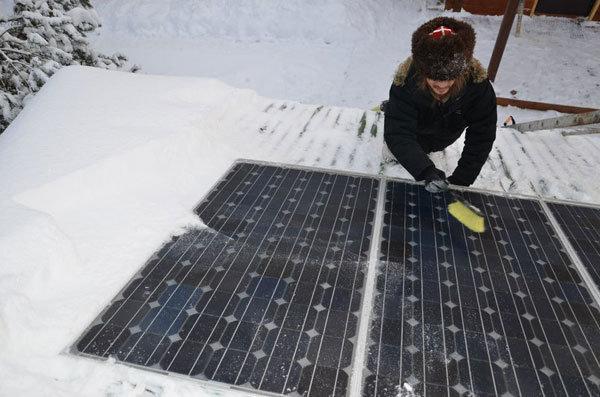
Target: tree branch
10,62
15,51
8,30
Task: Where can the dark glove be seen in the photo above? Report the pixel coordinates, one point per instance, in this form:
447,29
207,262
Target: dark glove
383,106
455,181
435,180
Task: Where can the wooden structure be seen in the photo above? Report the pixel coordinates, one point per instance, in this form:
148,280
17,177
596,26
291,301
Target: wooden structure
541,105
571,8
503,33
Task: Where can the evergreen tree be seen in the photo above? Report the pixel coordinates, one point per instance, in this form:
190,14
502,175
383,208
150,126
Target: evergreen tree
38,39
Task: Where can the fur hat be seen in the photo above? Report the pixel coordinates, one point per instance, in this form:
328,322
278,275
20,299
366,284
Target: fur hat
443,56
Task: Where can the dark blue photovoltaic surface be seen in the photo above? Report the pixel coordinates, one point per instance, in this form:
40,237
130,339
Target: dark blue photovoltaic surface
582,227
498,313
266,298
269,296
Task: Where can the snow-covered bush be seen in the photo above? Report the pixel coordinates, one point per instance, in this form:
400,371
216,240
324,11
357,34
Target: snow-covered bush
38,39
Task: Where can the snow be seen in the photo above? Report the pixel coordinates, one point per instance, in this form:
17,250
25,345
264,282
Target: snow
83,18
102,166
351,48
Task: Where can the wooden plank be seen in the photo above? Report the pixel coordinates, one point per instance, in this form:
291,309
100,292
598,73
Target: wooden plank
535,3
581,8
541,105
497,7
490,7
594,10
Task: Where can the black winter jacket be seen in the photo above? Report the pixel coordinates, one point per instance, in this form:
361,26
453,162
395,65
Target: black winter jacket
413,127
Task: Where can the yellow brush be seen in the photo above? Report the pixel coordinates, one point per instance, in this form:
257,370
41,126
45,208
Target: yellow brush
467,214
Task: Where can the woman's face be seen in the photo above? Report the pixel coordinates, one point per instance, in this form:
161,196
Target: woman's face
440,88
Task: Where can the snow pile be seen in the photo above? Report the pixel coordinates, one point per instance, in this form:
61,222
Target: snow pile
89,189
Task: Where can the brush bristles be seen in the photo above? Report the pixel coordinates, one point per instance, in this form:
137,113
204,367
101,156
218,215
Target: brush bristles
467,217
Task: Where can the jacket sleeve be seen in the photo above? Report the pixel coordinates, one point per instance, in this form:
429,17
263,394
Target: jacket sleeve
481,132
400,132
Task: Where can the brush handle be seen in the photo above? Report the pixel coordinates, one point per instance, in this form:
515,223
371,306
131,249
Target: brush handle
460,198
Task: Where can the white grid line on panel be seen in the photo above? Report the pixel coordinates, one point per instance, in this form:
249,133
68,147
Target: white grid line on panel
301,230
286,201
358,269
251,208
331,302
479,306
460,305
258,249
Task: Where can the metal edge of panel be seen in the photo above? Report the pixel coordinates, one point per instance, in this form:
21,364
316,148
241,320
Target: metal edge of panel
311,168
280,165
570,202
505,194
216,183
412,182
583,273
360,354
211,385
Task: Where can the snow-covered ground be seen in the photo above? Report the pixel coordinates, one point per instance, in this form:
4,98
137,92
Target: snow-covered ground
340,53
101,167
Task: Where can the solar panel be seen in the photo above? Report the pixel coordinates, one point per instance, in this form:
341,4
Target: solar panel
315,283
581,225
266,298
498,313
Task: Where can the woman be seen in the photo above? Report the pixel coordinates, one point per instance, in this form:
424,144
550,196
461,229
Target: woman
437,93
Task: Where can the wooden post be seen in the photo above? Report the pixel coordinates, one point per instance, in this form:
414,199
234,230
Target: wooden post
594,9
541,105
503,33
519,17
533,8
